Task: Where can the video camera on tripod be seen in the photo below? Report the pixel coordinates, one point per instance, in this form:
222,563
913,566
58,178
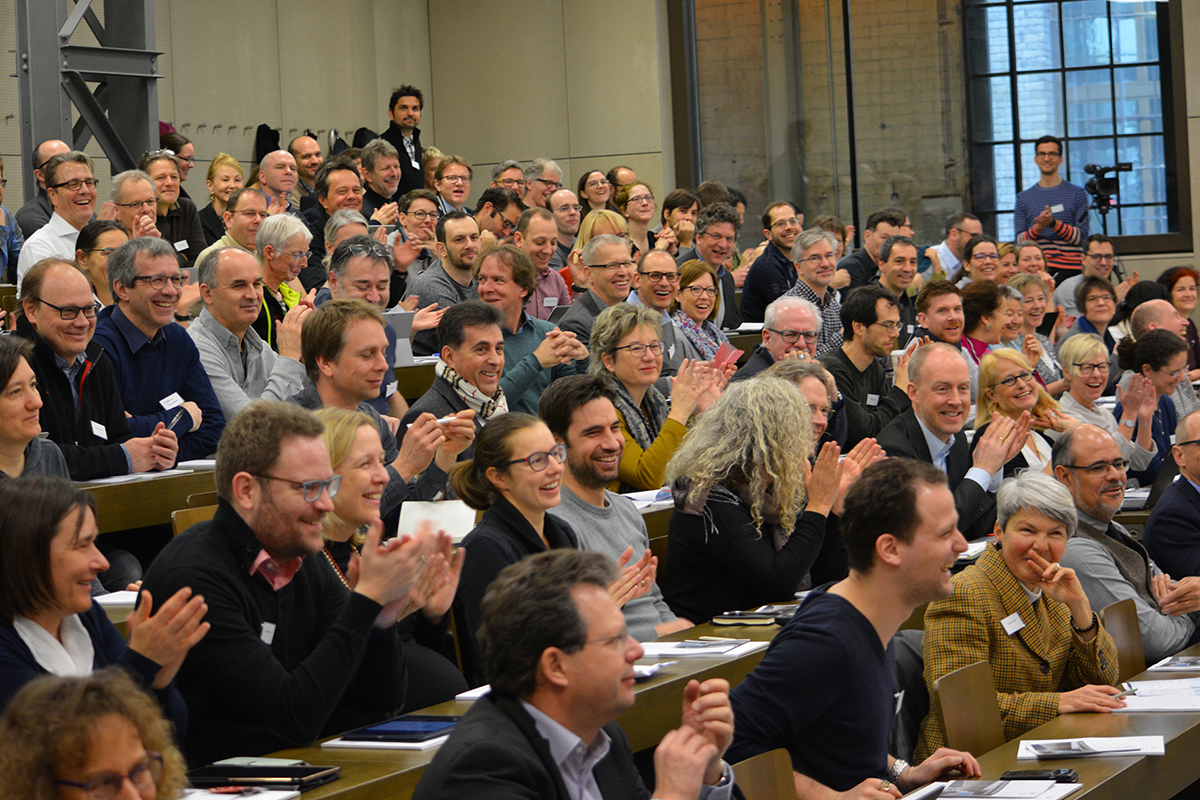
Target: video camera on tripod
1103,186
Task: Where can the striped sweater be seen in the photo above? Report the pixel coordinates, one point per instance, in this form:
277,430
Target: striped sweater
1062,243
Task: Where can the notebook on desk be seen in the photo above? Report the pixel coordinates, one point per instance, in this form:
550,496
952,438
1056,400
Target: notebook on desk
1167,474
402,322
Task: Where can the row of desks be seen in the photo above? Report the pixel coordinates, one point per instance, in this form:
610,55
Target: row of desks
393,774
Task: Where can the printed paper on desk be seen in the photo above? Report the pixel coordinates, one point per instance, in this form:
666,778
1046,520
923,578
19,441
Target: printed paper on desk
1092,747
454,517
426,745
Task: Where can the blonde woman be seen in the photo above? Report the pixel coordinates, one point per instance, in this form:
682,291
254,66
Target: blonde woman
751,522
594,224
1008,387
225,176
356,454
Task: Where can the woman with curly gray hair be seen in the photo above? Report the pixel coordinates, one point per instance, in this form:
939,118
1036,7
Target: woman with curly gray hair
741,533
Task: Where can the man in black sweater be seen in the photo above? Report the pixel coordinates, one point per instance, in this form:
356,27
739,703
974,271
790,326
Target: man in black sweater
294,653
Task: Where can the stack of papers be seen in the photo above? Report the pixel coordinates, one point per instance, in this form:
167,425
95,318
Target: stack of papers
1045,749
1178,664
651,498
117,599
1182,694
974,551
259,794
732,648
345,744
1002,790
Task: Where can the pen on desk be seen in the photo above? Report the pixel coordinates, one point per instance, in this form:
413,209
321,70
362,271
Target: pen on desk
175,421
1125,693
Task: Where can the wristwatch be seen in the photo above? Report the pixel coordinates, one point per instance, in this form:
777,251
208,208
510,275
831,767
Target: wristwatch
898,766
1129,423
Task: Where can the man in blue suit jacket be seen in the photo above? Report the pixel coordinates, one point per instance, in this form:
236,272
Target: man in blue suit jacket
1172,534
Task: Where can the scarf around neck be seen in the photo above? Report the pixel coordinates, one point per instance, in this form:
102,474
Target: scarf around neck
643,426
485,407
706,337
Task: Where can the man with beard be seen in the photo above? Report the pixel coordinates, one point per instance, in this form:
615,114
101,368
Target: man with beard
404,111
1111,565
772,273
870,321
449,281
308,157
497,215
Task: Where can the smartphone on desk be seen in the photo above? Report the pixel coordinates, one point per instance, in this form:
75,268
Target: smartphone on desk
276,777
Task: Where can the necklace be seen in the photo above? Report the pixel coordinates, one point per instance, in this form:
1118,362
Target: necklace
336,568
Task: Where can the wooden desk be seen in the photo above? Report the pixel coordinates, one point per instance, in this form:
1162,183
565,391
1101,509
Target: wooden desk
1118,777
657,521
147,501
745,342
414,381
393,774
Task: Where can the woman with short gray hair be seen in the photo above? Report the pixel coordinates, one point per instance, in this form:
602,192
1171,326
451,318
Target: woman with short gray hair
1027,615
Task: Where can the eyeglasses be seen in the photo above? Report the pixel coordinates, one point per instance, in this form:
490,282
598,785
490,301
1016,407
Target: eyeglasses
373,250
787,223
1088,369
820,258
311,489
555,185
1107,258
696,291
107,251
1096,298
1101,467
71,312
1044,154
512,183
1178,373
149,201
3,182
566,209
297,254
968,233
655,277
189,160
716,237
613,265
645,198
637,349
1189,441
888,325
984,257
617,641
507,226
791,337
421,216
1011,380
539,461
75,185
144,775
157,282
456,178
251,213
600,184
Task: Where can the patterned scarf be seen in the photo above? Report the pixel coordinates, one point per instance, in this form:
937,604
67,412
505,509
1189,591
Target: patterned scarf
642,426
485,407
706,337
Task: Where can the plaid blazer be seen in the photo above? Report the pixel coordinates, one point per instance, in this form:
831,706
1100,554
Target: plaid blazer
1030,668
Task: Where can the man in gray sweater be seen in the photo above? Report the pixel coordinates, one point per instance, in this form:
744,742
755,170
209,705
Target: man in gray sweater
579,411
1111,564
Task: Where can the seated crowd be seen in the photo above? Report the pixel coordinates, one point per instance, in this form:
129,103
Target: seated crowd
902,402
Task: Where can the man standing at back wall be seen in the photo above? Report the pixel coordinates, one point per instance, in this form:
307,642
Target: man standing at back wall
1053,212
404,111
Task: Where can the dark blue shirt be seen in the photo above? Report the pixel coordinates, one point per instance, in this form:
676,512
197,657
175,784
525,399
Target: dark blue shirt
151,370
770,276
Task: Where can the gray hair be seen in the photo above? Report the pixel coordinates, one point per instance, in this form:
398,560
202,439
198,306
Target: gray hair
540,165
597,242
612,325
122,264
206,266
340,219
917,364
121,178
361,242
715,213
1181,433
277,230
796,370
506,165
1078,347
375,150
1011,292
783,301
1032,490
810,237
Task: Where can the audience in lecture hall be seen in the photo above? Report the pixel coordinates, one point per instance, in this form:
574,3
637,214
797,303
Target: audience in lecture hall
753,521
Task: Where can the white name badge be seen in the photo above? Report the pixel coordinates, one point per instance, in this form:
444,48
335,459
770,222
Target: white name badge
99,430
181,245
173,400
911,328
391,388
1012,623
1057,208
268,632
671,351
872,399
550,302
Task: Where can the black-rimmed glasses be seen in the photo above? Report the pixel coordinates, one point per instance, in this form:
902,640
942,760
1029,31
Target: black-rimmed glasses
791,337
637,349
144,775
1101,467
71,312
539,461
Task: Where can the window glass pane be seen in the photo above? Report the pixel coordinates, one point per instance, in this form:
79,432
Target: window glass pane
1085,33
1147,183
1089,103
991,108
987,40
1087,151
1004,227
1029,167
1140,220
1139,99
1040,104
1035,27
1134,32
1005,168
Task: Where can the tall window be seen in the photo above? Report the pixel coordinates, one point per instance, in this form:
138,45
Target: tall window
1093,72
